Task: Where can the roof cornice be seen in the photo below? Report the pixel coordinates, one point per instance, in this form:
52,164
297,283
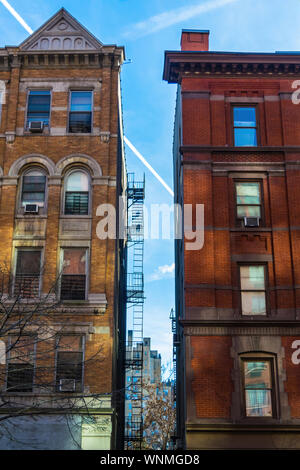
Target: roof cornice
184,63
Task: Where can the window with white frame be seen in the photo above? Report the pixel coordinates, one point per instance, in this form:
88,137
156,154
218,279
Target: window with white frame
77,189
253,289
74,274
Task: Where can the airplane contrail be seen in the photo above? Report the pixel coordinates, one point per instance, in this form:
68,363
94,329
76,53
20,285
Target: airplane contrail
17,16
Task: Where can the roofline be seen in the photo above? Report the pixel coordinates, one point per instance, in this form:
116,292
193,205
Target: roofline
214,59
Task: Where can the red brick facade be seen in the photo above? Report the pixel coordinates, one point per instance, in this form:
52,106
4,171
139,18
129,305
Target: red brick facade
217,336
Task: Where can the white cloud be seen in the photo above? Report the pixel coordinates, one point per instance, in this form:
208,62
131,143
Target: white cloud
171,17
165,271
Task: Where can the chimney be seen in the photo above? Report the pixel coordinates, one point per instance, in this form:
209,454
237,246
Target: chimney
194,40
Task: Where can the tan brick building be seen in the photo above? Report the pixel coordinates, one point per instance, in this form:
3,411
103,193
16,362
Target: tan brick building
61,156
237,152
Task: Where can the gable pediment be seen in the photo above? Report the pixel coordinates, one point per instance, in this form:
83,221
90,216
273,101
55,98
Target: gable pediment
61,33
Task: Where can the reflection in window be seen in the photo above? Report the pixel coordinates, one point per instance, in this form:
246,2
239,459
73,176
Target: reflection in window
33,188
77,194
248,199
258,388
80,116
38,108
73,280
253,290
244,126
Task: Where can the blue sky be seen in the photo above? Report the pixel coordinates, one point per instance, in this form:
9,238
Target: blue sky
147,29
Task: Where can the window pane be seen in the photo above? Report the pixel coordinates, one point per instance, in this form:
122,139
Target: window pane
252,277
245,137
258,403
257,374
248,211
253,303
70,343
77,181
28,262
244,117
81,101
33,187
80,122
38,106
247,193
74,261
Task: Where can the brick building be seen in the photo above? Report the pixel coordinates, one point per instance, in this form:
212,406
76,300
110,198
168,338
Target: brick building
237,151
61,157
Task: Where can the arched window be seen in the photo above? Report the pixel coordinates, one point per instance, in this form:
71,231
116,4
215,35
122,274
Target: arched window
77,193
33,187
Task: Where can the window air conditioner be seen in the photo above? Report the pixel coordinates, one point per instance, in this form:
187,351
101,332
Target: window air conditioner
251,221
67,385
31,209
36,126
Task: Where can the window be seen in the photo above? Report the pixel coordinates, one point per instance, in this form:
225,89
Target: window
28,270
38,107
73,280
33,187
20,368
80,115
258,379
253,290
77,193
69,363
244,126
248,199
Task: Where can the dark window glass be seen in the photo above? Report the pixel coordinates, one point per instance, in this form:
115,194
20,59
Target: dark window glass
38,108
69,363
258,386
33,188
28,269
253,290
248,199
245,128
80,116
73,281
20,370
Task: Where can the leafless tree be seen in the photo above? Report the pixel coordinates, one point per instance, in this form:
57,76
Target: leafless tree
159,418
41,363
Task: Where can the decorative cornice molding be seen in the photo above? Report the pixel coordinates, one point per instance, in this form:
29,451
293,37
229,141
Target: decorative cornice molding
179,64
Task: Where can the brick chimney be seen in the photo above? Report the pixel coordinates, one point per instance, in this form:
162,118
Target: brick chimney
194,40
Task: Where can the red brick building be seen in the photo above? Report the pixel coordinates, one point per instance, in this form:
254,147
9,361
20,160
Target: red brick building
237,151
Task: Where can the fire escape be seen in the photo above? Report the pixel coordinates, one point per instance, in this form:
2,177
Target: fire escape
133,435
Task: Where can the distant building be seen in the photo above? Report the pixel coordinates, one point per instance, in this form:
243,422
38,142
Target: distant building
237,152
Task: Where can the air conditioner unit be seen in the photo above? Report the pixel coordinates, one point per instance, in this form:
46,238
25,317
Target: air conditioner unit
67,385
31,209
251,221
36,126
